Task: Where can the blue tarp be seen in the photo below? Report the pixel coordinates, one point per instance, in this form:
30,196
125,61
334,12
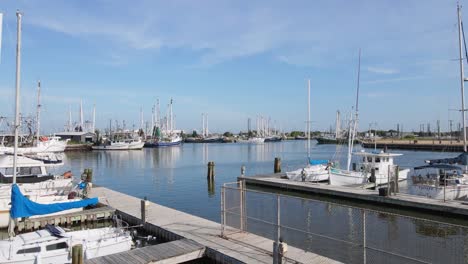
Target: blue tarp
317,162
21,206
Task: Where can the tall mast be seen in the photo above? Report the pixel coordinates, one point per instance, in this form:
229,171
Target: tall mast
141,118
356,113
38,114
462,77
158,113
337,125
203,124
206,124
94,118
81,114
17,96
171,117
70,119
308,119
11,224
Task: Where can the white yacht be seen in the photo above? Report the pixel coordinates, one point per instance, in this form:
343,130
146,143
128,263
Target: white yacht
381,163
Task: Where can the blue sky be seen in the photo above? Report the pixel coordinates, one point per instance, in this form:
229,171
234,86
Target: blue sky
234,60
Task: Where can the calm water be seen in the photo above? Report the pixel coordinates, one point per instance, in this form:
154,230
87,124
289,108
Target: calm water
176,176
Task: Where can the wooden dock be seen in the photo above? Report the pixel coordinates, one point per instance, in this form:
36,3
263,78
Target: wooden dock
90,215
422,145
170,224
454,208
168,253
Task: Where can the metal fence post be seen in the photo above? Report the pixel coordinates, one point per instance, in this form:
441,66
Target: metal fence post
364,235
223,211
241,198
276,244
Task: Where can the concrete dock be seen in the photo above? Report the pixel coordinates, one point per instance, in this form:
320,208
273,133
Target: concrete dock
170,224
277,181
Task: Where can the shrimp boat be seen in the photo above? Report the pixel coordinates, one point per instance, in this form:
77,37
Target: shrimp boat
379,162
129,144
51,144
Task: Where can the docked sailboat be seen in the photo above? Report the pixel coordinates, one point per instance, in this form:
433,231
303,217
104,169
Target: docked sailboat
445,178
316,170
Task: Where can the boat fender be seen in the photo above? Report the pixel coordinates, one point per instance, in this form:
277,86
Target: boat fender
67,174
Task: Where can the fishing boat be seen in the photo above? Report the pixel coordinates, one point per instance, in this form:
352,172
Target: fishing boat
50,144
164,134
381,163
316,170
128,144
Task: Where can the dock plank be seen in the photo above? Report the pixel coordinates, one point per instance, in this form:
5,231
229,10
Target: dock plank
247,249
170,252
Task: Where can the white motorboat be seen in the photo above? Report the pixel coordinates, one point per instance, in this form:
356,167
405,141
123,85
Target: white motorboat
256,140
53,245
381,163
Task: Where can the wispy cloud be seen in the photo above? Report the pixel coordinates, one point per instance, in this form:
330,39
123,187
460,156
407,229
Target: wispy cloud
395,79
380,70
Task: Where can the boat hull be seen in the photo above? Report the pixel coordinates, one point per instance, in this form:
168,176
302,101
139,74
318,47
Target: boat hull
344,178
315,173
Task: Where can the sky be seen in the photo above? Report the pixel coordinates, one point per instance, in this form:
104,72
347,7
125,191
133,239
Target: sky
234,60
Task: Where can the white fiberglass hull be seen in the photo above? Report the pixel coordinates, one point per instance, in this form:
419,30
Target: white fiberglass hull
344,177
313,173
43,147
256,140
451,192
96,243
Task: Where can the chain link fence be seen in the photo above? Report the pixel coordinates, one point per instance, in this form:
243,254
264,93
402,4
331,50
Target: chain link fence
344,233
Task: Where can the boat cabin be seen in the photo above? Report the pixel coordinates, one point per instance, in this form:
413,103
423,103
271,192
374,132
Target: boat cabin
379,161
28,170
437,175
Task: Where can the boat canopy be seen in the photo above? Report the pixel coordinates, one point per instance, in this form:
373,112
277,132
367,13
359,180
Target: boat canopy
21,206
438,166
461,159
317,162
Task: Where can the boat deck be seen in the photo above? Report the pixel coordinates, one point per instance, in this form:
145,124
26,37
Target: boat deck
171,224
456,208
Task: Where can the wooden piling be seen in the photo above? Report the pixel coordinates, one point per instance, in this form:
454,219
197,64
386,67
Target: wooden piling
143,204
211,172
77,254
397,175
277,167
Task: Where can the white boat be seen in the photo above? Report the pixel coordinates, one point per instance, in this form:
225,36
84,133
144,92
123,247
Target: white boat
381,163
129,144
54,245
44,145
256,140
316,170
312,173
439,181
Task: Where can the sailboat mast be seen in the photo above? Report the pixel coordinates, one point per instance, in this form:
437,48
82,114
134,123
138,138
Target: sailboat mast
308,119
17,97
462,77
38,114
356,115
337,125
94,118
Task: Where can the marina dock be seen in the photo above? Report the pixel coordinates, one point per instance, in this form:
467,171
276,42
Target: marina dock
170,224
401,200
422,145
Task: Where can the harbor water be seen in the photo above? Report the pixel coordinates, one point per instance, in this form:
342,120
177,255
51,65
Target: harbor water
177,177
